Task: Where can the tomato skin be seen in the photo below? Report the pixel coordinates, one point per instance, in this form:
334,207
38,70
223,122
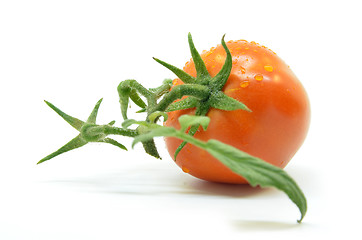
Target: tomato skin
273,131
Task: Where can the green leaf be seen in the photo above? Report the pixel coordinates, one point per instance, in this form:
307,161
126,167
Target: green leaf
74,122
150,148
199,63
137,99
185,77
93,116
253,169
153,117
191,120
114,143
142,110
201,111
221,78
124,100
221,101
76,142
128,122
258,172
189,102
111,123
193,129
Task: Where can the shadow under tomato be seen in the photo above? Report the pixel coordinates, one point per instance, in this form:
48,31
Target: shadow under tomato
159,181
137,184
228,190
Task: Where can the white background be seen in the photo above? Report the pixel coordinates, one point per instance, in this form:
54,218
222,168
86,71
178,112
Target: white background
72,53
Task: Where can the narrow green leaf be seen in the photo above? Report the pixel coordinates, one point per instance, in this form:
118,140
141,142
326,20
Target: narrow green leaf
185,77
191,132
93,116
124,100
258,172
114,142
221,78
137,99
150,148
191,120
128,122
153,117
74,122
189,102
224,102
76,142
142,110
111,123
194,123
201,111
199,63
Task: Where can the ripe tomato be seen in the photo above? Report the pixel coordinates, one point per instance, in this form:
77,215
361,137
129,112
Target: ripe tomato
273,131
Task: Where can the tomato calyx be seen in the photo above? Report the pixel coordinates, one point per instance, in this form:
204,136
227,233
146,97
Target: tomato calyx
214,97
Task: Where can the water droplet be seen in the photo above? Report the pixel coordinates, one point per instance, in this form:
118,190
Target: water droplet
258,77
268,68
185,170
244,84
219,58
242,70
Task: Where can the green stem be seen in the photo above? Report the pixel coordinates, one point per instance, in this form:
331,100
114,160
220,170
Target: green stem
199,91
109,130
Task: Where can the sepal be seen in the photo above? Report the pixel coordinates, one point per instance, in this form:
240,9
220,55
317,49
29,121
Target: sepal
189,102
221,101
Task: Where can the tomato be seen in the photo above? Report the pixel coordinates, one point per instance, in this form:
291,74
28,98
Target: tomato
273,131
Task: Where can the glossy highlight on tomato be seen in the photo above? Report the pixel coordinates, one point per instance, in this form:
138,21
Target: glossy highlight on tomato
274,129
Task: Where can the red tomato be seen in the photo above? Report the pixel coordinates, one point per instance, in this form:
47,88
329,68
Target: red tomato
273,131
